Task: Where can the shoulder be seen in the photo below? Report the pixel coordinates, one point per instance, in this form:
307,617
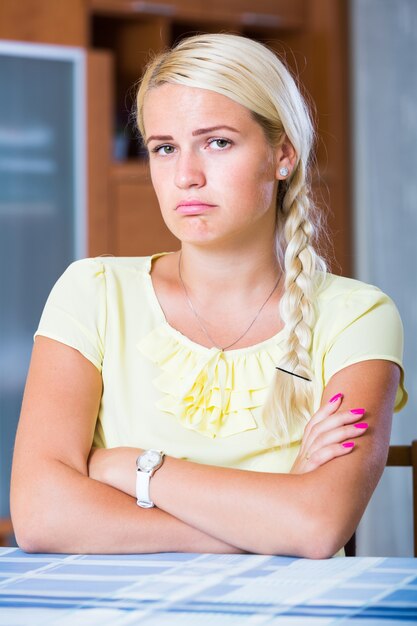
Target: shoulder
348,295
102,268
334,288
346,303
91,280
102,264
341,302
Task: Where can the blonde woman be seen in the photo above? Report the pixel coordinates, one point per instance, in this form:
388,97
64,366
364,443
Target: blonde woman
231,396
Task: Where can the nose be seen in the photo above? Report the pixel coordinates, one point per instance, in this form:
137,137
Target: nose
189,171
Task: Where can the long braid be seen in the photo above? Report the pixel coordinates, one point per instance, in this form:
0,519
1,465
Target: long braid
289,404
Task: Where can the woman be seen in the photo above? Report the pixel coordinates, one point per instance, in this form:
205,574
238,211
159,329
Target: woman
208,364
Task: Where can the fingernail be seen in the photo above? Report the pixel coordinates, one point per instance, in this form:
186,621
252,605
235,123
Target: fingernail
357,411
348,444
361,425
336,397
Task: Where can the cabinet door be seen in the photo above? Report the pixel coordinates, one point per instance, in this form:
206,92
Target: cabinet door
137,228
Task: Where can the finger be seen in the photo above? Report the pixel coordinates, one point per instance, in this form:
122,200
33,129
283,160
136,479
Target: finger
328,408
334,422
339,435
320,416
325,411
326,454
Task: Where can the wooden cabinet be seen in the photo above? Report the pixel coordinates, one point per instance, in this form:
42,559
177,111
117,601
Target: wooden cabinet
312,35
44,21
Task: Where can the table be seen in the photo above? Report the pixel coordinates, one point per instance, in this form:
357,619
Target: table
204,589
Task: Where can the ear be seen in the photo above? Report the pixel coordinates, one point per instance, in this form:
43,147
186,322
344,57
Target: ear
286,158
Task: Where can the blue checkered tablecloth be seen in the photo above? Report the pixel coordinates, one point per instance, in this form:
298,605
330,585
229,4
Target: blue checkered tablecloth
203,589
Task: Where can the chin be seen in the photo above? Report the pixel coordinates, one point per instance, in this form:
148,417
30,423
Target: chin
194,235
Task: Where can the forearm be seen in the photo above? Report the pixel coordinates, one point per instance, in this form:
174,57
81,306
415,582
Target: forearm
258,512
58,509
297,515
300,515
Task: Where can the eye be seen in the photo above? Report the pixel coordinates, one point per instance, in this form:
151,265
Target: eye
163,150
220,144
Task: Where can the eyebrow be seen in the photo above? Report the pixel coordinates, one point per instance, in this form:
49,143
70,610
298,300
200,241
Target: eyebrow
195,133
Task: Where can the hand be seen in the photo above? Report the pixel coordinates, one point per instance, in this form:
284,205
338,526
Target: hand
328,435
115,467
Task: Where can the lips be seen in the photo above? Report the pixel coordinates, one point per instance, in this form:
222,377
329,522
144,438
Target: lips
193,207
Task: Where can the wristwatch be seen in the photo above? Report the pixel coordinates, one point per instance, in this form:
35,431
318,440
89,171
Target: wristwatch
146,465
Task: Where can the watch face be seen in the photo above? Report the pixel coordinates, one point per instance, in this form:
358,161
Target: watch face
149,460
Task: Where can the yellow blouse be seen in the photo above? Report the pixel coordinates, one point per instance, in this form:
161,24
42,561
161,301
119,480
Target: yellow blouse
162,390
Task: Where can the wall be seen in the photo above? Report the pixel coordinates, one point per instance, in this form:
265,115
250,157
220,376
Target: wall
384,80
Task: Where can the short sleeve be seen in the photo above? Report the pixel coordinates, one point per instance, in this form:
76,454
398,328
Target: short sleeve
366,325
75,312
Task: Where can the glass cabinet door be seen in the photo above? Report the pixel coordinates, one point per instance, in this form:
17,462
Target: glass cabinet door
42,205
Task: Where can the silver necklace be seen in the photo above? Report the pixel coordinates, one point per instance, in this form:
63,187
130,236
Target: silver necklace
200,321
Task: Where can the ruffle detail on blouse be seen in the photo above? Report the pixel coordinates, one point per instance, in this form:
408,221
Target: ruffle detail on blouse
207,390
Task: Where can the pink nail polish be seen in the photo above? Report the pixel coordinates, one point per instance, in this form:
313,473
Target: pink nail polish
357,411
348,444
361,425
336,397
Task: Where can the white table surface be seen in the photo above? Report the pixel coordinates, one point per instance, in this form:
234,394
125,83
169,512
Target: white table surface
203,589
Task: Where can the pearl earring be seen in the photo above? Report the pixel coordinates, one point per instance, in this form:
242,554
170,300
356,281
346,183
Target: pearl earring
283,171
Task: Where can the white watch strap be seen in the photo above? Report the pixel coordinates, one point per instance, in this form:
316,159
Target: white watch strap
142,489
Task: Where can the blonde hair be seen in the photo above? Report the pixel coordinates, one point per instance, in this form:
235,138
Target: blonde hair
253,76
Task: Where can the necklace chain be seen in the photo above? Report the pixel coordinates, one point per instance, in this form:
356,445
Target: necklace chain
200,321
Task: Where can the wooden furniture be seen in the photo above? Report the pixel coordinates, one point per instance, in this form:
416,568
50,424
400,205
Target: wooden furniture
6,531
398,456
44,21
118,36
406,456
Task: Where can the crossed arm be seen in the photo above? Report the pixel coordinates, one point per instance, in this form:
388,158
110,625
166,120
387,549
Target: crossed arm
61,503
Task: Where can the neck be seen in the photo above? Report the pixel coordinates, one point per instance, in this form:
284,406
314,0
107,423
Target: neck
229,271
234,296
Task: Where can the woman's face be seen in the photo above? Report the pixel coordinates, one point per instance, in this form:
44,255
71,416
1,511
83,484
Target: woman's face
213,171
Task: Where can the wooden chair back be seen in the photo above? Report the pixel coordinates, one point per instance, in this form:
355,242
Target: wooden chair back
6,531
406,456
398,456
